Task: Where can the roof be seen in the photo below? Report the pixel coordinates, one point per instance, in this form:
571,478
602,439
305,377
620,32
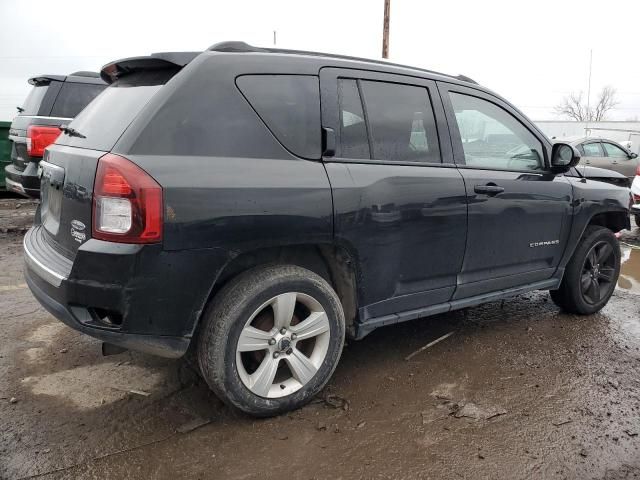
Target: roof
242,47
577,140
113,70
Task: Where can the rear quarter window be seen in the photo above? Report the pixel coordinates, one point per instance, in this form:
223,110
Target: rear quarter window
73,97
290,107
202,112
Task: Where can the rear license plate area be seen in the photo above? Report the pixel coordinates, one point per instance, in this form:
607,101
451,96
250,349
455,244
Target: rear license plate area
51,186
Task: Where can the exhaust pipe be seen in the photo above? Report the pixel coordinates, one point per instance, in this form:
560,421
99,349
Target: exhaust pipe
110,349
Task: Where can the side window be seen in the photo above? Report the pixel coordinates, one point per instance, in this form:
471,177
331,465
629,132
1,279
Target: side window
290,106
614,151
592,150
493,138
73,97
353,130
401,122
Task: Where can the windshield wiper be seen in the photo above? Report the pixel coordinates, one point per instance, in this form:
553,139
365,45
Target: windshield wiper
20,109
72,132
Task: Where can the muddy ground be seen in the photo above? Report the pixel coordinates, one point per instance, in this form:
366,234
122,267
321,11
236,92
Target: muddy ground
520,390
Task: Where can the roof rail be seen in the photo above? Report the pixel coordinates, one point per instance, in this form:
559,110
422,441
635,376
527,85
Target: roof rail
235,46
84,73
243,47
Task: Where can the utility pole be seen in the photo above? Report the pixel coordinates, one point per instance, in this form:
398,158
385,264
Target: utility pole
385,29
586,127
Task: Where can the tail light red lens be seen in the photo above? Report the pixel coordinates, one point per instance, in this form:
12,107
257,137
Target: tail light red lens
39,138
127,203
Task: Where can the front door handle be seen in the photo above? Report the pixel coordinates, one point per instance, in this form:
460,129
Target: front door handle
490,189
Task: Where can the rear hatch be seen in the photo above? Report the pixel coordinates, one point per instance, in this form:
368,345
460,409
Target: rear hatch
69,167
37,104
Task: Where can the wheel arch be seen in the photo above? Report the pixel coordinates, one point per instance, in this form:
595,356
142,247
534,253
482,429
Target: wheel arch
613,220
332,262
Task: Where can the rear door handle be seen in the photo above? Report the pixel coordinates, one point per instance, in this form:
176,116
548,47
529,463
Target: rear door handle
490,189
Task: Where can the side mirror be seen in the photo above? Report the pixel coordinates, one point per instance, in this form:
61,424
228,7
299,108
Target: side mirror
633,155
563,157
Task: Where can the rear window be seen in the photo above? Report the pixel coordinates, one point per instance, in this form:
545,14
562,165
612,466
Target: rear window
31,105
107,117
290,107
73,97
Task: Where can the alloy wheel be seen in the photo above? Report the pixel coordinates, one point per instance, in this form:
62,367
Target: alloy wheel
282,345
598,272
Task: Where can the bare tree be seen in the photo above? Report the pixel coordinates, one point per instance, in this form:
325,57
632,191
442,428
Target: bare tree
606,102
574,107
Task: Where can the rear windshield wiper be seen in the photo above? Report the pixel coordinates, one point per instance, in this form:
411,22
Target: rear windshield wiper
20,109
72,132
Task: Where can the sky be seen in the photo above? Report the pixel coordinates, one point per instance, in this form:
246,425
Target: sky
533,53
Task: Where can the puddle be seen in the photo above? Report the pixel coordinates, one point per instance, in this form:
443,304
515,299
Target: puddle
630,272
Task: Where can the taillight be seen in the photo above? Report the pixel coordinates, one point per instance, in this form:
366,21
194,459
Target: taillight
39,138
638,169
127,203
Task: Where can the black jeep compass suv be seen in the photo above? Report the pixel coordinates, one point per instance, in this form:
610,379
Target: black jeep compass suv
256,205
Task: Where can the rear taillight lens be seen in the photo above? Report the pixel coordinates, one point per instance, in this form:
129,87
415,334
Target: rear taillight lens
127,203
39,138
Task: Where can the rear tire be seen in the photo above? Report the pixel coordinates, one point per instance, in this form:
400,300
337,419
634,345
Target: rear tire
271,339
592,273
637,218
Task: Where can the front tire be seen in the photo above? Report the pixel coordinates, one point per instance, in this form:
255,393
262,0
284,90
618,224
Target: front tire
592,273
271,339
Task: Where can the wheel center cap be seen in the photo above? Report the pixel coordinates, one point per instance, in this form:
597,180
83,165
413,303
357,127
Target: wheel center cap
284,343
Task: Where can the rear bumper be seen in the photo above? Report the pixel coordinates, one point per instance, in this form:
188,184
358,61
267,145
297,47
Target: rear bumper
25,182
170,347
137,297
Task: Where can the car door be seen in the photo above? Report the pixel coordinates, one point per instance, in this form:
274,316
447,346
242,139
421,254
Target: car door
519,212
619,160
593,154
398,207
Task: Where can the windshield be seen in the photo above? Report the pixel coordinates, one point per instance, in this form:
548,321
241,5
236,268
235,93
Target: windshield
104,120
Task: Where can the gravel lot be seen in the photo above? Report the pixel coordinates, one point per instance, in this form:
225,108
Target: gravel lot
520,390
